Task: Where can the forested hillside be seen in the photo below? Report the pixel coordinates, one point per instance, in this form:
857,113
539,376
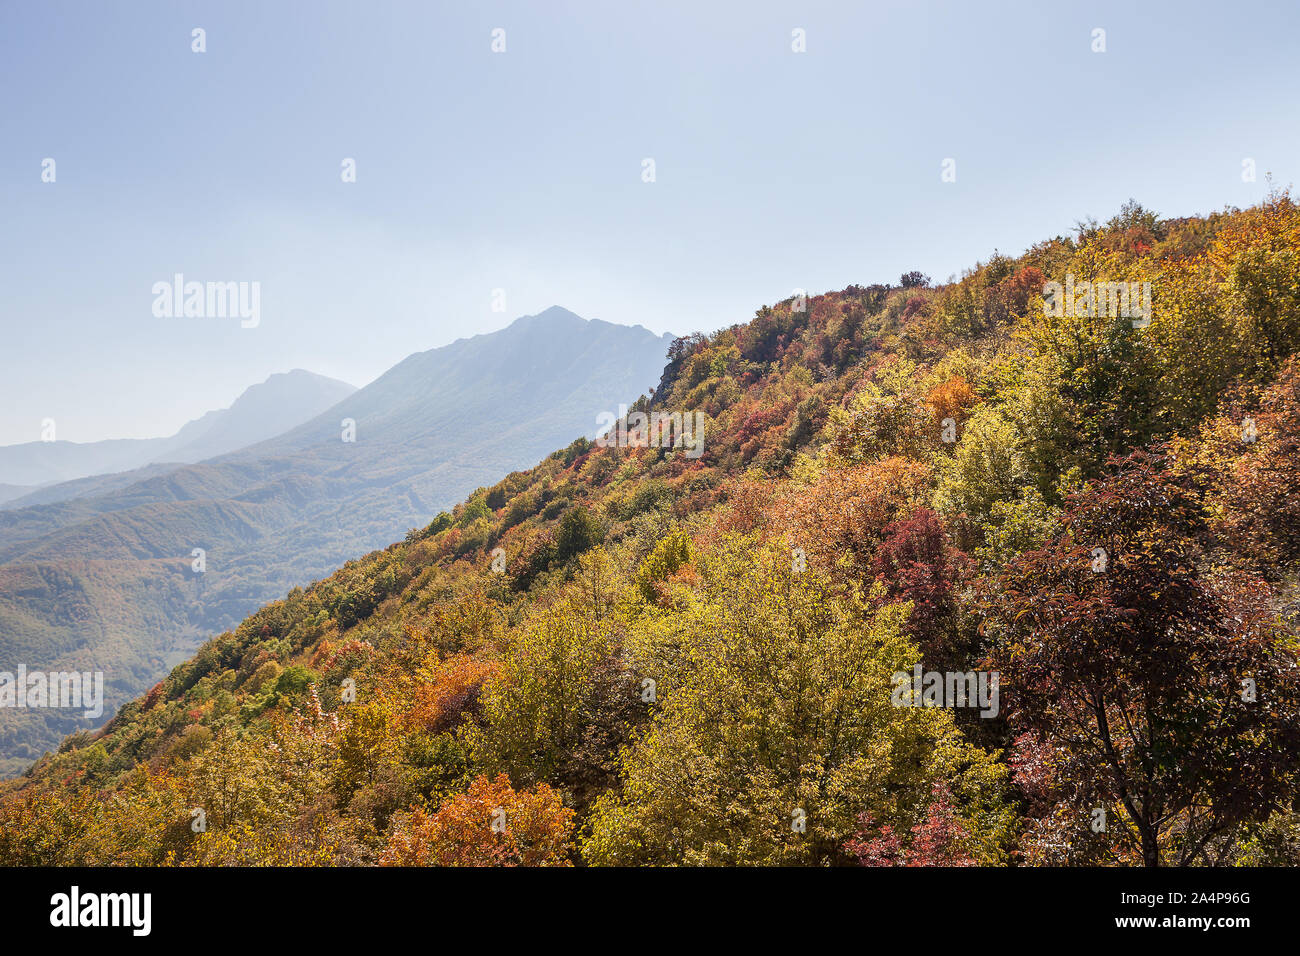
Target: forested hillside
636,655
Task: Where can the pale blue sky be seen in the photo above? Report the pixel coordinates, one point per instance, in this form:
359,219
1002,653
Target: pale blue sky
522,170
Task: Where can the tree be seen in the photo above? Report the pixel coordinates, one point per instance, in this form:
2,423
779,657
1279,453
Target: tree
938,840
1248,460
916,564
668,557
1164,692
562,702
843,516
1100,363
579,531
1262,263
987,467
950,400
774,727
490,825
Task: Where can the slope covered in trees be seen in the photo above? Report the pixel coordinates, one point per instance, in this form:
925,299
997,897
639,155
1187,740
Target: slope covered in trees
633,654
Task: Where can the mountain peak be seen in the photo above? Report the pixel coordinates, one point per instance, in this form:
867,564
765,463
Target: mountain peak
556,315
296,378
261,411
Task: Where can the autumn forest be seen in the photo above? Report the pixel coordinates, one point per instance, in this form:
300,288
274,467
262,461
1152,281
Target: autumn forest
1080,502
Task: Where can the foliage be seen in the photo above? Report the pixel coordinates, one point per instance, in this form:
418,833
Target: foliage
489,825
1159,686
679,652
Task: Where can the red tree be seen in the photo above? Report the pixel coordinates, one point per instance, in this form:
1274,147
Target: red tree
917,563
937,840
1163,691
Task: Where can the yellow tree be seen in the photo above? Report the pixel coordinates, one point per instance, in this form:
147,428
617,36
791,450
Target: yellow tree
775,727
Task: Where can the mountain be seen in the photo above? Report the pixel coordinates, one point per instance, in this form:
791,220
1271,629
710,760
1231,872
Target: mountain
280,403
43,463
284,400
478,390
10,492
85,487
105,578
639,655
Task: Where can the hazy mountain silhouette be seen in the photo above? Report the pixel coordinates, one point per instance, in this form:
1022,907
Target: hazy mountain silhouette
284,400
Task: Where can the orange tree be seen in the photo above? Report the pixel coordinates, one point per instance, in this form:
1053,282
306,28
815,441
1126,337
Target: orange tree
490,825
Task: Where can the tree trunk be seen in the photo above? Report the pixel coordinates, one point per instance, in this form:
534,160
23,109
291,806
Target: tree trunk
1150,848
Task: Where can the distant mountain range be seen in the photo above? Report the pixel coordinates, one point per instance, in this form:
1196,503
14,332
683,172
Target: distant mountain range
263,411
100,576
10,492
